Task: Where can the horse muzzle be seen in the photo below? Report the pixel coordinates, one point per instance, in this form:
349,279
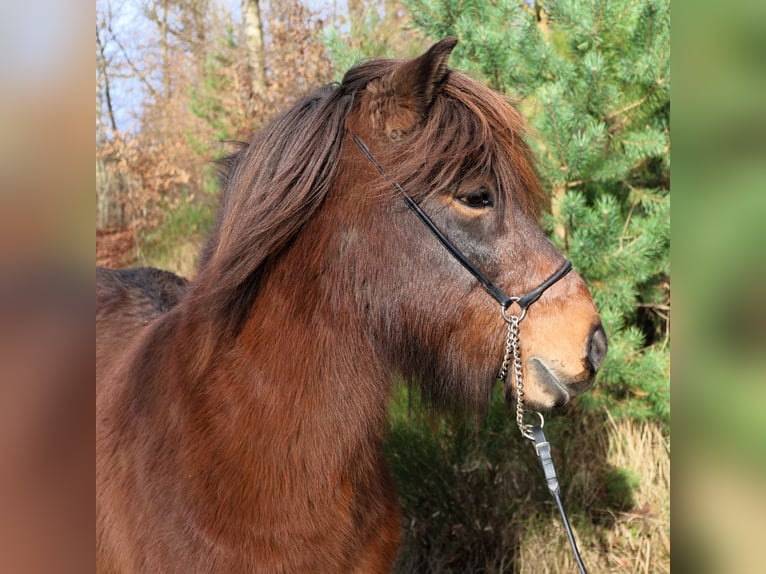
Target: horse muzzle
551,386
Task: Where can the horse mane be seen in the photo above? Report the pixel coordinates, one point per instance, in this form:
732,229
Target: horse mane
272,186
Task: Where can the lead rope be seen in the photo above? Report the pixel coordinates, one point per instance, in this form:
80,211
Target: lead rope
534,432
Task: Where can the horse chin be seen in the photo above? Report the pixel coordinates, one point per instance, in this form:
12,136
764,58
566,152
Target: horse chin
549,392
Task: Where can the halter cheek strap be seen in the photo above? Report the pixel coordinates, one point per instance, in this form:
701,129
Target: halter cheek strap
523,301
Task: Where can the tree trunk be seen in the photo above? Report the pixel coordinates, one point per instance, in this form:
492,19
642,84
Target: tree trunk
356,15
199,18
105,89
256,54
165,51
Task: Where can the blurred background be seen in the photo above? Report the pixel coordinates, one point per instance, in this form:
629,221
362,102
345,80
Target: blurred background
719,361
176,80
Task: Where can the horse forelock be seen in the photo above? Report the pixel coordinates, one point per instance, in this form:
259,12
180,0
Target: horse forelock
470,130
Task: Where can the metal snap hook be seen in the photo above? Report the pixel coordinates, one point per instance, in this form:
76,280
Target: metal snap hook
528,429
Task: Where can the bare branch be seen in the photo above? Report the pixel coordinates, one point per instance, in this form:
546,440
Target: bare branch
102,64
136,71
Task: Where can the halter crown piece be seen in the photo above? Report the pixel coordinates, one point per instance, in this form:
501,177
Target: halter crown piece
512,349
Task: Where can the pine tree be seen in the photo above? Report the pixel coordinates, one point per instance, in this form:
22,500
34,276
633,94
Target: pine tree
593,79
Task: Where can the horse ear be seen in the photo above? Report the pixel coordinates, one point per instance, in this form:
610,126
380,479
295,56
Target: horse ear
418,80
415,83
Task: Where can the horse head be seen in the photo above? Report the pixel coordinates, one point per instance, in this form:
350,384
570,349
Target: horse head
458,149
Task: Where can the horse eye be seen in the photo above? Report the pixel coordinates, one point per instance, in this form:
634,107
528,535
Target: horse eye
477,199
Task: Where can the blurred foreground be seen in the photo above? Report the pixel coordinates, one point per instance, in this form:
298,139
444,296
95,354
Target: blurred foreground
46,290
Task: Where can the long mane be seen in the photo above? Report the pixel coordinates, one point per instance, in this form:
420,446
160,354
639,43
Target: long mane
271,187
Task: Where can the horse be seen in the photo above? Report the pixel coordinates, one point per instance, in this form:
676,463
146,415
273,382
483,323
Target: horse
241,415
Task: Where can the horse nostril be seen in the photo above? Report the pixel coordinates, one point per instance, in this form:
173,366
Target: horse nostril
597,347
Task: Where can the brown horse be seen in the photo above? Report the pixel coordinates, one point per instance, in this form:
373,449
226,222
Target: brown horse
241,415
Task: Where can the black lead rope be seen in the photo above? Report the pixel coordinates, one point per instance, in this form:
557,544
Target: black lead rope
543,449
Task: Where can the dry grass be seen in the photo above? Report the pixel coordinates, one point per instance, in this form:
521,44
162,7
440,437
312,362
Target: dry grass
474,498
634,541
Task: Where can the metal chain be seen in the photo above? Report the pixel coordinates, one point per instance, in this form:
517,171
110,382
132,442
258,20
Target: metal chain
512,351
508,354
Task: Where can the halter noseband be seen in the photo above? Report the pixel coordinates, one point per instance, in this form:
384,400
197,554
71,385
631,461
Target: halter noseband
523,301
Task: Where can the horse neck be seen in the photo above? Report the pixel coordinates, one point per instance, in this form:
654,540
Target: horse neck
299,389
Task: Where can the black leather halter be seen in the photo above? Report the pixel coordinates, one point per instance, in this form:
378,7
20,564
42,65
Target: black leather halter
523,301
